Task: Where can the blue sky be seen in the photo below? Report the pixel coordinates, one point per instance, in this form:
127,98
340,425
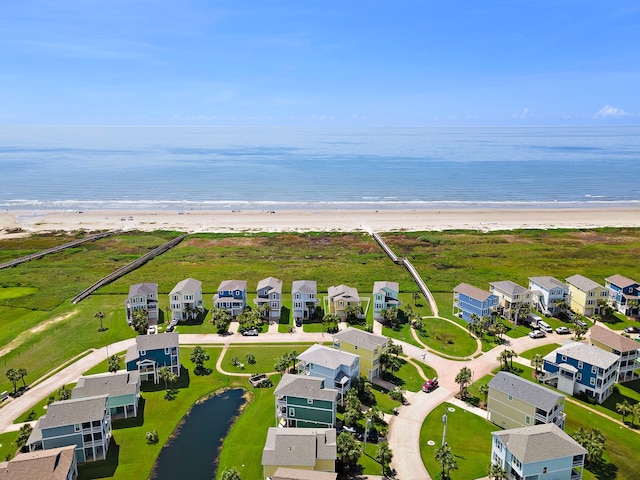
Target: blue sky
329,63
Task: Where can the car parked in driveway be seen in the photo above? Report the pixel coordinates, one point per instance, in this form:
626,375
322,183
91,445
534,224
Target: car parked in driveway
581,323
632,329
252,332
537,334
563,330
430,385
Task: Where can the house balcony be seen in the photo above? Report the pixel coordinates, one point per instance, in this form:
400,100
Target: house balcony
576,474
281,412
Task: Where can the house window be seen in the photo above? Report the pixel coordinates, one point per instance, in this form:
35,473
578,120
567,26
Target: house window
167,351
591,294
564,358
544,470
341,303
594,369
143,352
310,401
580,365
76,427
510,397
297,296
292,412
527,419
579,377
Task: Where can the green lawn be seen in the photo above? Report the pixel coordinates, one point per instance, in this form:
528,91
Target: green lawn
403,334
448,338
542,350
266,356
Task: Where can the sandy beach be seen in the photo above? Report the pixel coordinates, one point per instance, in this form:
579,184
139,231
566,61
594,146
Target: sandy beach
15,223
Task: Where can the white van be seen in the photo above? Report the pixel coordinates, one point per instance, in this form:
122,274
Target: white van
544,326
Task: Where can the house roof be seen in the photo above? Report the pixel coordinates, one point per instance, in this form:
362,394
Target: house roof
508,287
343,291
583,284
299,446
76,410
523,389
327,357
230,285
304,286
297,474
539,443
621,281
304,386
143,289
188,285
380,285
157,341
548,282
360,338
274,283
613,339
472,292
113,384
51,464
585,353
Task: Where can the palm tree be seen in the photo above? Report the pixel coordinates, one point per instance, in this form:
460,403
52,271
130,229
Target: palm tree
496,472
164,374
22,372
198,357
13,376
446,459
592,440
512,353
484,390
100,315
349,451
463,378
114,363
415,296
635,412
230,474
503,358
500,329
384,456
221,319
537,362
624,408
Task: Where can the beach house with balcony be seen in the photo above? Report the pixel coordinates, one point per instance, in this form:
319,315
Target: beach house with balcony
83,422
547,294
304,298
368,346
538,452
152,352
342,297
123,389
53,464
336,367
312,449
231,296
579,368
385,296
270,293
515,402
470,301
302,401
143,296
186,300
624,294
511,298
585,295
625,348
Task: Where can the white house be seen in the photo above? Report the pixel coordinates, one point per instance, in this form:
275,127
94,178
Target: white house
270,293
547,293
385,296
186,300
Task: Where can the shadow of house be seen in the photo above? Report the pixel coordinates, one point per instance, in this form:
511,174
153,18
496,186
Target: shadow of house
183,381
101,468
285,316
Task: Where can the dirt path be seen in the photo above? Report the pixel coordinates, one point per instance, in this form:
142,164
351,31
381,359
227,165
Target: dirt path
24,336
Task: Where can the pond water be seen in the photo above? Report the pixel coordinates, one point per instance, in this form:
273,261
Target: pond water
193,452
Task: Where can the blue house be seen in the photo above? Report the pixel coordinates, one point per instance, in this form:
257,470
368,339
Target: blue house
577,367
231,296
152,352
624,294
469,300
122,387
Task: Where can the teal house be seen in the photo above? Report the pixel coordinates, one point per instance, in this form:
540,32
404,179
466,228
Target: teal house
302,401
122,387
152,352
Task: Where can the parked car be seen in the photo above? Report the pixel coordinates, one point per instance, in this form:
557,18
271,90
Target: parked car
298,322
252,332
581,323
170,328
563,330
537,334
349,429
430,385
152,329
632,330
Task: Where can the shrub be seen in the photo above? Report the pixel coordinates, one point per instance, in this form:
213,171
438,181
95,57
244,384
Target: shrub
152,437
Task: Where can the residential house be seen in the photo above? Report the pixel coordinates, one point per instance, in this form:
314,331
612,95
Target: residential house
53,464
576,367
143,296
122,387
231,296
341,298
270,293
625,348
83,422
283,473
186,300
367,345
385,296
299,448
547,293
152,352
511,298
336,367
538,452
303,401
585,295
624,294
515,402
304,296
470,301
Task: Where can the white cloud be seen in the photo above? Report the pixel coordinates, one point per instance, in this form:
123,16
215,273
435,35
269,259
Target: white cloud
524,114
611,112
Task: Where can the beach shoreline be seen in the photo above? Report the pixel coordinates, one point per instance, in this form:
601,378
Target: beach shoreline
20,223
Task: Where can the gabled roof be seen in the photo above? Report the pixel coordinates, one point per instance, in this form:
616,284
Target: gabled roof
345,292
508,287
613,339
230,285
523,389
620,281
188,285
583,284
113,384
548,282
157,341
274,283
304,286
297,474
379,286
299,447
586,353
305,386
472,292
539,443
327,357
51,464
360,338
77,410
143,289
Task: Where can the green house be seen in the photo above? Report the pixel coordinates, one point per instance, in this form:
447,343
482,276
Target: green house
302,401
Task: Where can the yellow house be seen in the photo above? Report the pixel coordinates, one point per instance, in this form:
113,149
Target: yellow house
341,297
313,449
364,344
585,295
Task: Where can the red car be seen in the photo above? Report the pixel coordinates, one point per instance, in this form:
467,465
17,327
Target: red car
430,385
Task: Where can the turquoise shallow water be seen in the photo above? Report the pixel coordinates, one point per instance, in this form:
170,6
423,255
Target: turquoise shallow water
255,168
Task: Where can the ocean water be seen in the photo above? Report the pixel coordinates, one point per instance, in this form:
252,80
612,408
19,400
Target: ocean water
195,168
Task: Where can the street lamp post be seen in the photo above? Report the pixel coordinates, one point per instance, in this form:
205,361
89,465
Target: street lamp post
444,431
